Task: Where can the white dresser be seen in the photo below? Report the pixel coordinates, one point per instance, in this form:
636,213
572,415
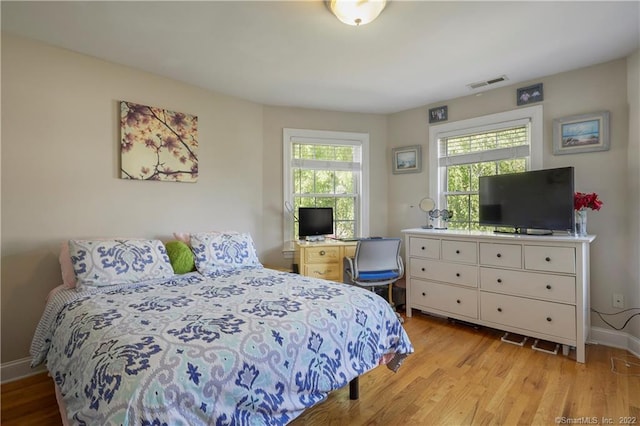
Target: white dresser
536,286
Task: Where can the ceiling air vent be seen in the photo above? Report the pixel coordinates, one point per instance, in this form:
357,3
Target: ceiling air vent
479,84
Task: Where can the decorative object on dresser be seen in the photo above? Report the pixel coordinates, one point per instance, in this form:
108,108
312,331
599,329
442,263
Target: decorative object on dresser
581,133
407,159
582,202
536,286
427,205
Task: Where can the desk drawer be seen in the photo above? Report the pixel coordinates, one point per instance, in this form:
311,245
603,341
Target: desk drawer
329,272
322,254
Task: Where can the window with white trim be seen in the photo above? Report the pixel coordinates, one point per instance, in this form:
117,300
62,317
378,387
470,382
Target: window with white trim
327,169
500,143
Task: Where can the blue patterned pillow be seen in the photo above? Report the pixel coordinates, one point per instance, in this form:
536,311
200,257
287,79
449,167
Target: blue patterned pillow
99,263
219,251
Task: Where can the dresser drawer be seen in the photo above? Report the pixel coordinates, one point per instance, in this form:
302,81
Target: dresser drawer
503,255
454,273
327,271
322,255
424,247
442,297
459,251
553,319
558,288
552,259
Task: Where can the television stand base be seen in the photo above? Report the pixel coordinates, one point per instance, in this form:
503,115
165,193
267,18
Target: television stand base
524,231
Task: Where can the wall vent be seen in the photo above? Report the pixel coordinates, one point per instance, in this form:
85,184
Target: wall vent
479,84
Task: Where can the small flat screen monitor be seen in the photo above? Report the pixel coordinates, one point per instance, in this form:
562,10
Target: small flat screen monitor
315,221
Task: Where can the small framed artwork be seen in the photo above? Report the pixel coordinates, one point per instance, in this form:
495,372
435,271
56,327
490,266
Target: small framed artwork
581,133
407,159
438,114
530,94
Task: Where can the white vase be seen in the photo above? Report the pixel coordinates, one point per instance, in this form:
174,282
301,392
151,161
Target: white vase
581,223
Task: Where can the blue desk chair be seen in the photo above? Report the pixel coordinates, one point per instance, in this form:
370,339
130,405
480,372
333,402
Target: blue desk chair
377,262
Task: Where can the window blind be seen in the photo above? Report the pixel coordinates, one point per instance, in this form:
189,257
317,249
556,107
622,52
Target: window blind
491,144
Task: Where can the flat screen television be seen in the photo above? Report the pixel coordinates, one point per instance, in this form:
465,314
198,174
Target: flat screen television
540,200
315,221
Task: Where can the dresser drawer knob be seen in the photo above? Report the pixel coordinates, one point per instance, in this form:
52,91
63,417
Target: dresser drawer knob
424,294
458,301
548,286
549,319
457,274
423,247
322,252
548,259
422,269
457,251
499,280
499,309
498,255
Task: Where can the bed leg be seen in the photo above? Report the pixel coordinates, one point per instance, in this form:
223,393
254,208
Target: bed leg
354,389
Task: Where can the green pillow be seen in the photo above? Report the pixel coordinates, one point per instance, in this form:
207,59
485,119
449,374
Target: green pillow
181,257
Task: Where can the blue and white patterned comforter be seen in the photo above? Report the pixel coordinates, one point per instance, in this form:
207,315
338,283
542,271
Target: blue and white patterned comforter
249,346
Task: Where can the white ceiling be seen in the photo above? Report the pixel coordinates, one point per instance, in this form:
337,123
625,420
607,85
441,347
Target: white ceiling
295,53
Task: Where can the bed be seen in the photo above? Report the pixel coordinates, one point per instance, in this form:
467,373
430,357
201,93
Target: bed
235,343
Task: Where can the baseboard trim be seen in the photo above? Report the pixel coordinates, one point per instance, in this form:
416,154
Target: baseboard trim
19,369
615,339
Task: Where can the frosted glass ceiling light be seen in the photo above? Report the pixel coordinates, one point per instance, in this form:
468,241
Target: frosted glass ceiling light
356,12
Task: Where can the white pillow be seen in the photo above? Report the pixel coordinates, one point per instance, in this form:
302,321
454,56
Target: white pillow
219,251
99,263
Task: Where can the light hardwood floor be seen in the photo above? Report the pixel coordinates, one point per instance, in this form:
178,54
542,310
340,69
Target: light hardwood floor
457,376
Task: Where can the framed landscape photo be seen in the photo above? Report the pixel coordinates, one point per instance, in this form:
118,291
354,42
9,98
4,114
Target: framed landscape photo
581,133
438,114
407,159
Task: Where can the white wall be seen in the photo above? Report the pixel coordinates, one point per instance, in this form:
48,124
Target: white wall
60,169
596,88
633,97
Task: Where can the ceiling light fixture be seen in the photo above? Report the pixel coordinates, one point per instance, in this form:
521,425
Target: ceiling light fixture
356,12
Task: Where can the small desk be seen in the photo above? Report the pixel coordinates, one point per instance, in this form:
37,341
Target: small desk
323,259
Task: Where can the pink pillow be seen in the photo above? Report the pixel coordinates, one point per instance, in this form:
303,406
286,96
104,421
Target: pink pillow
68,274
185,237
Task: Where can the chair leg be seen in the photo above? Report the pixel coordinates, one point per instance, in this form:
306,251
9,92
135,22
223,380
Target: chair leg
391,294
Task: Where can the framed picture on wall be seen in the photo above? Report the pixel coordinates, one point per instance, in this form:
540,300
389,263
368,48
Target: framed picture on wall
530,94
407,159
438,114
581,133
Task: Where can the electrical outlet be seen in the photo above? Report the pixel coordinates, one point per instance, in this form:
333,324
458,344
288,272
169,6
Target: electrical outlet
618,300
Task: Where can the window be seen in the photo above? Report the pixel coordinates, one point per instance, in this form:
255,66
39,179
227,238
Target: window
327,169
509,142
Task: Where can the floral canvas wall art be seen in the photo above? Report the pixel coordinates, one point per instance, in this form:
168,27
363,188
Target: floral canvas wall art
157,144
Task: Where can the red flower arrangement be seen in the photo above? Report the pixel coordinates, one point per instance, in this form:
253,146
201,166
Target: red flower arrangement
583,200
